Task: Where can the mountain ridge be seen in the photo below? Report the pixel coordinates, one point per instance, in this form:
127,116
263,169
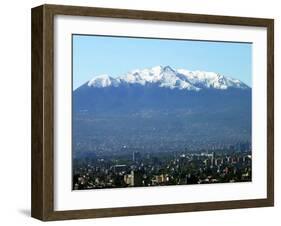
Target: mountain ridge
167,77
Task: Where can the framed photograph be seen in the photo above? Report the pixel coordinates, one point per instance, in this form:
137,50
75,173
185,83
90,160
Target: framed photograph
142,112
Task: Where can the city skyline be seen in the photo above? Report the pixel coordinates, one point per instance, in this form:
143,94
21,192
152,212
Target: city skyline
138,169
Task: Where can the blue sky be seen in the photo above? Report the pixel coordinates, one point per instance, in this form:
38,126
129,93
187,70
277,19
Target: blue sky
95,55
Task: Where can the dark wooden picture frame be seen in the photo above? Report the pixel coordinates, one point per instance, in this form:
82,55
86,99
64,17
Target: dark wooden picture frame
42,203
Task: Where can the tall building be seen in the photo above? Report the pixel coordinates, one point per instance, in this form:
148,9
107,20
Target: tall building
137,178
133,179
129,180
136,156
213,158
218,162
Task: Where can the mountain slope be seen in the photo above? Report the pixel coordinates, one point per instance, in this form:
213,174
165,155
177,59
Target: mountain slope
160,109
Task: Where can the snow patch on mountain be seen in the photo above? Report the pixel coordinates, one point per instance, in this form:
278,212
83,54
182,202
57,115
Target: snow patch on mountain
100,81
213,80
165,76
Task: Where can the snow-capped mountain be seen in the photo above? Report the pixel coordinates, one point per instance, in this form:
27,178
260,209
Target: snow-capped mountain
160,104
165,76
